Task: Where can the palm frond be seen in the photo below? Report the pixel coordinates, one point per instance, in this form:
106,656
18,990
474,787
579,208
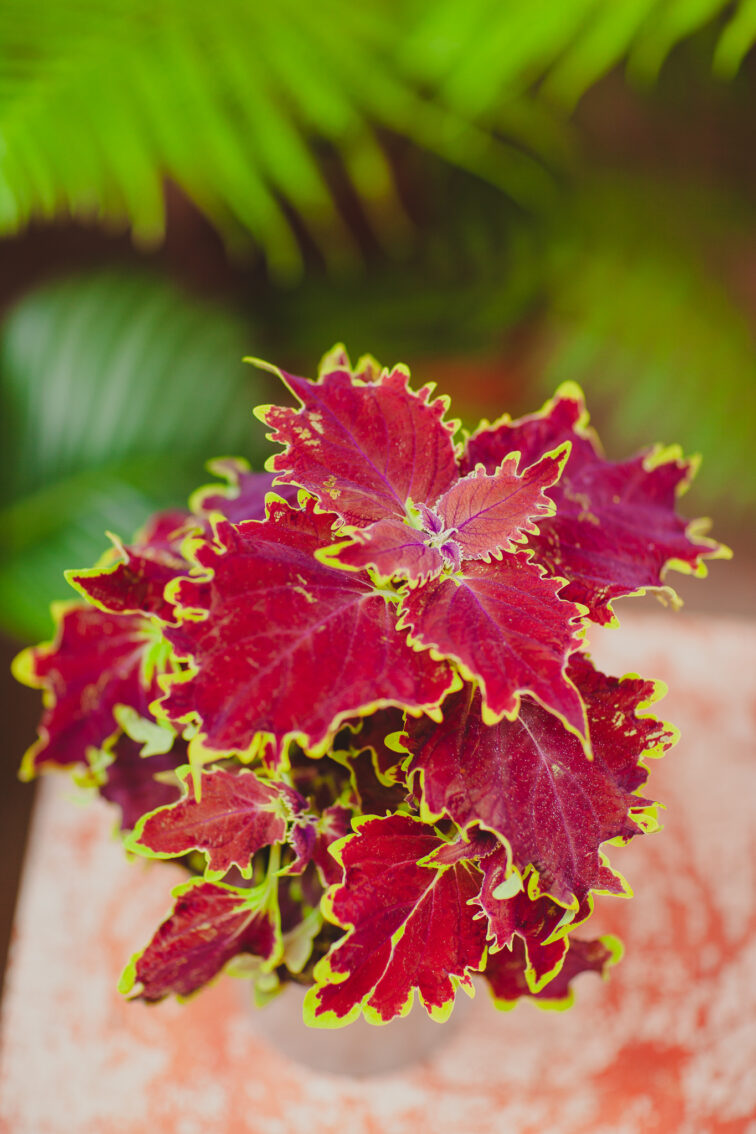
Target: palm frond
102,100
482,56
115,390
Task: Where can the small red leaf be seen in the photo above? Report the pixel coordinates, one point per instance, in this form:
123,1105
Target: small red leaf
138,584
130,780
392,548
312,837
236,815
540,922
334,824
506,971
244,496
209,925
486,513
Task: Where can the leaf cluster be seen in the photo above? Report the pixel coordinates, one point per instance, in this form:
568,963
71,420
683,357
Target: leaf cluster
352,696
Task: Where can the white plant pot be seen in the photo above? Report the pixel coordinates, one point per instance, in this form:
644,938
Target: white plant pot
359,1049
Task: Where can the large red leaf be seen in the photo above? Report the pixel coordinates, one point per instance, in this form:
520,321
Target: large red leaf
529,780
96,661
364,448
289,648
505,627
235,816
506,972
615,531
209,925
409,927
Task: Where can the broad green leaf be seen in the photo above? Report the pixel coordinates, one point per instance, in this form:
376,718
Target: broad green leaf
115,390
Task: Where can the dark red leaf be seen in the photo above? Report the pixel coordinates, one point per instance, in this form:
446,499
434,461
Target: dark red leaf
130,780
529,779
409,927
506,971
209,925
505,627
364,449
243,498
96,661
615,531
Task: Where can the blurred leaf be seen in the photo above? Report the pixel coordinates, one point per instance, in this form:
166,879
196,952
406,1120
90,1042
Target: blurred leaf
643,321
116,389
101,100
246,106
475,269
482,57
736,40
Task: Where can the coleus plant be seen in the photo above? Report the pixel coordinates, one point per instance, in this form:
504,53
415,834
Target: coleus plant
351,696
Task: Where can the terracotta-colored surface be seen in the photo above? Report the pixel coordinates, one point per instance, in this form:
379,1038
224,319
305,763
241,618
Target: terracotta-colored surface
668,1045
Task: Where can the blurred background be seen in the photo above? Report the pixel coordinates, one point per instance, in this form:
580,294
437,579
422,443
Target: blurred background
502,193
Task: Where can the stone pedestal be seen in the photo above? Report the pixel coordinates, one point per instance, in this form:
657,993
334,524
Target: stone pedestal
667,1045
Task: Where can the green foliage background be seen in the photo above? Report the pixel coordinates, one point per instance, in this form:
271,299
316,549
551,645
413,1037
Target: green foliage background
406,175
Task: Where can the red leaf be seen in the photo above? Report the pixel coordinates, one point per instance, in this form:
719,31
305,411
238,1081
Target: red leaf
485,513
615,531
131,782
135,585
279,623
516,912
364,448
312,838
236,815
392,548
244,496
540,922
209,925
410,927
96,661
530,782
506,971
334,824
505,627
